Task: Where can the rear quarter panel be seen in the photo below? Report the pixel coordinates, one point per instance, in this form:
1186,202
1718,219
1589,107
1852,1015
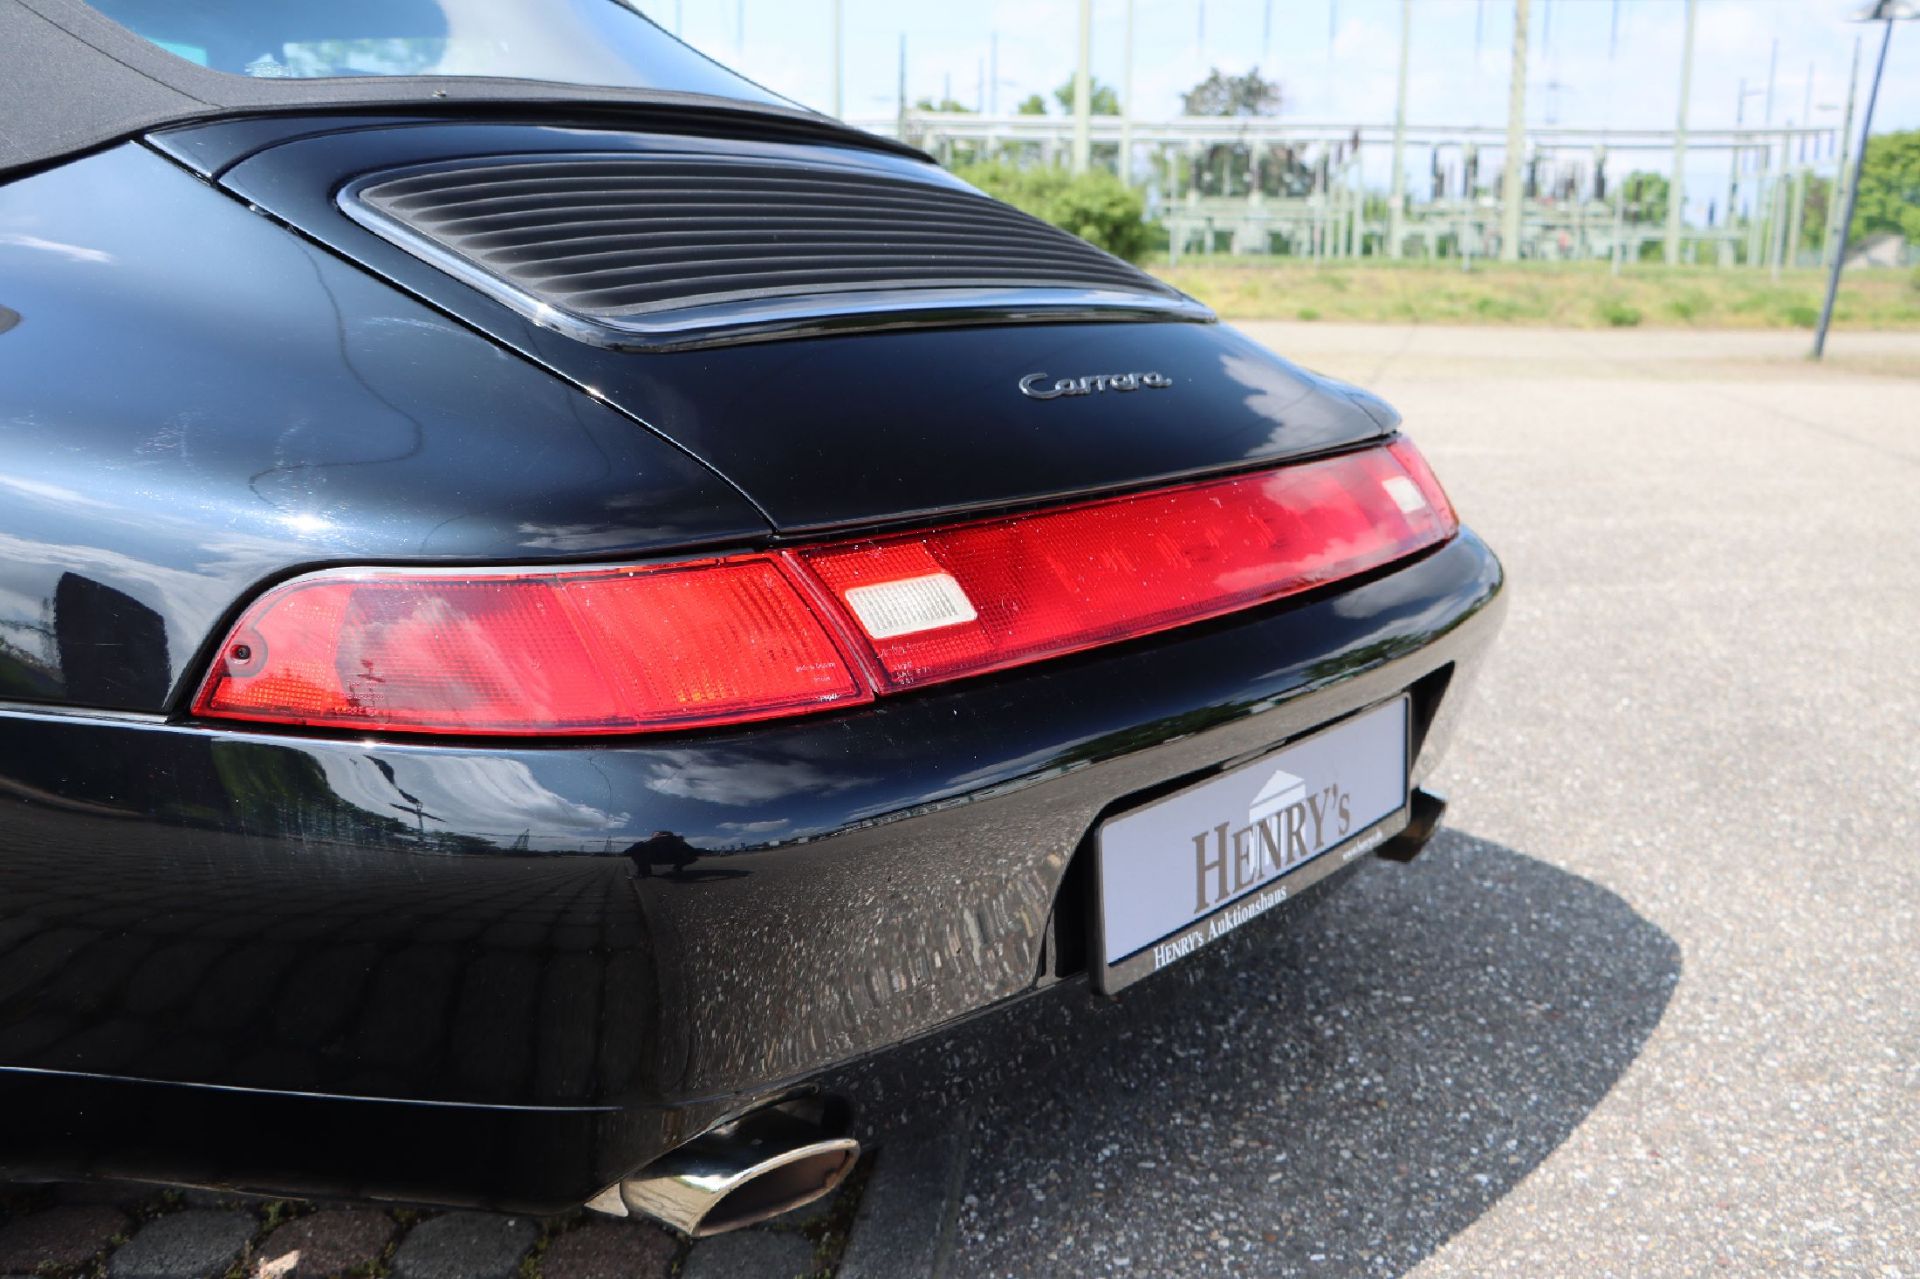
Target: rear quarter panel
194,400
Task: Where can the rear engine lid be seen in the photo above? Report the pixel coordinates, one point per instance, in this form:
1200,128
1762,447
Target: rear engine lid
875,416
906,426
666,249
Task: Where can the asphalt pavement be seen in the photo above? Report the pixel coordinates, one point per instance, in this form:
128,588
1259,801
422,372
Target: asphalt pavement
1652,1007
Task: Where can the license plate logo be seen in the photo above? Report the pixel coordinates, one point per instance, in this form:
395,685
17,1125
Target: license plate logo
1286,826
1186,869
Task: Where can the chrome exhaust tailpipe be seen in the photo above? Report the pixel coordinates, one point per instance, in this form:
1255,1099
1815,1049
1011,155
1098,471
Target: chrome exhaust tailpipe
743,1172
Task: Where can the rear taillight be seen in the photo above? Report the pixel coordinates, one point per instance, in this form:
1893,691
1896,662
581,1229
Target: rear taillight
752,637
1032,586
708,642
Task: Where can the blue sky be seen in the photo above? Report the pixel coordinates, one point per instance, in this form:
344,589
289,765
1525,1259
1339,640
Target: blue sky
1336,59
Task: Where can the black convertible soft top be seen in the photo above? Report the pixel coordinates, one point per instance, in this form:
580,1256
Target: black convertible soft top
70,79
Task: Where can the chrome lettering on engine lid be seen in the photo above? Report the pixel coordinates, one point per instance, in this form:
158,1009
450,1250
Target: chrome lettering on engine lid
1030,385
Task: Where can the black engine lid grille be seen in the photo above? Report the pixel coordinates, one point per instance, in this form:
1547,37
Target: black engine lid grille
671,249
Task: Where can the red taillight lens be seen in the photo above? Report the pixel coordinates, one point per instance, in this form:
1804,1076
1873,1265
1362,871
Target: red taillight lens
750,637
1062,580
595,652
1425,480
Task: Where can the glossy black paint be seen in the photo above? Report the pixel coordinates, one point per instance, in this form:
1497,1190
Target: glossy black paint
866,428
667,928
521,969
212,147
194,401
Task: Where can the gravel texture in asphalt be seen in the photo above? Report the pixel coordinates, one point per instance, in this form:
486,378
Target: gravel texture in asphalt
1649,1009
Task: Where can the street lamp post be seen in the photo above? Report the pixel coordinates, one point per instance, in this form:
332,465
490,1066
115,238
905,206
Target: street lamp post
1887,12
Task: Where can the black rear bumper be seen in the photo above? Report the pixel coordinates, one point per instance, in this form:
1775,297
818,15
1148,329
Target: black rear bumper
509,974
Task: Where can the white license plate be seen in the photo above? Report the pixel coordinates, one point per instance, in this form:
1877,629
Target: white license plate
1185,870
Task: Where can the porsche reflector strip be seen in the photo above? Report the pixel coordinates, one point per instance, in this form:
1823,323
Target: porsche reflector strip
750,637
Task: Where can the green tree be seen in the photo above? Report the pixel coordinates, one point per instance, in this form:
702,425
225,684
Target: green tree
1227,168
1645,195
1889,199
1032,104
1096,206
947,105
1234,95
1813,214
1103,98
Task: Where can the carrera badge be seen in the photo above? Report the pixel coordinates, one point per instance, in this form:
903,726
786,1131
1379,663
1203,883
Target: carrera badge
1034,387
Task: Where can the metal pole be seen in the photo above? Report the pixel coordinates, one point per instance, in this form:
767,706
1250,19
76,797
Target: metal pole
1776,236
1516,139
839,59
1828,240
1083,92
1397,210
1619,226
1733,163
1806,115
1773,67
1796,215
1762,238
900,90
1126,101
1677,186
993,74
1853,192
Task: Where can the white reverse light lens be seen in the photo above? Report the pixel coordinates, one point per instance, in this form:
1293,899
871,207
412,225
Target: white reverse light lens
1405,493
910,605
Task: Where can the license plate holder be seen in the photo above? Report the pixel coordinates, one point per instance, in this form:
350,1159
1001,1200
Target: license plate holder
1184,870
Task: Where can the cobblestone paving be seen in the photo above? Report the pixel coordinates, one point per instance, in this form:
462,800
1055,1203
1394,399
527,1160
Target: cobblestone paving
114,1230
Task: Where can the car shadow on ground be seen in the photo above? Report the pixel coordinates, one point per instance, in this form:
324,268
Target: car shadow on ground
1339,1097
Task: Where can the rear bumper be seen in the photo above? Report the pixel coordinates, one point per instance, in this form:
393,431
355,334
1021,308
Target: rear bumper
509,974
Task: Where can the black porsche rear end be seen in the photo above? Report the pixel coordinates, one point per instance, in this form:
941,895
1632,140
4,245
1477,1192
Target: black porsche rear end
347,940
